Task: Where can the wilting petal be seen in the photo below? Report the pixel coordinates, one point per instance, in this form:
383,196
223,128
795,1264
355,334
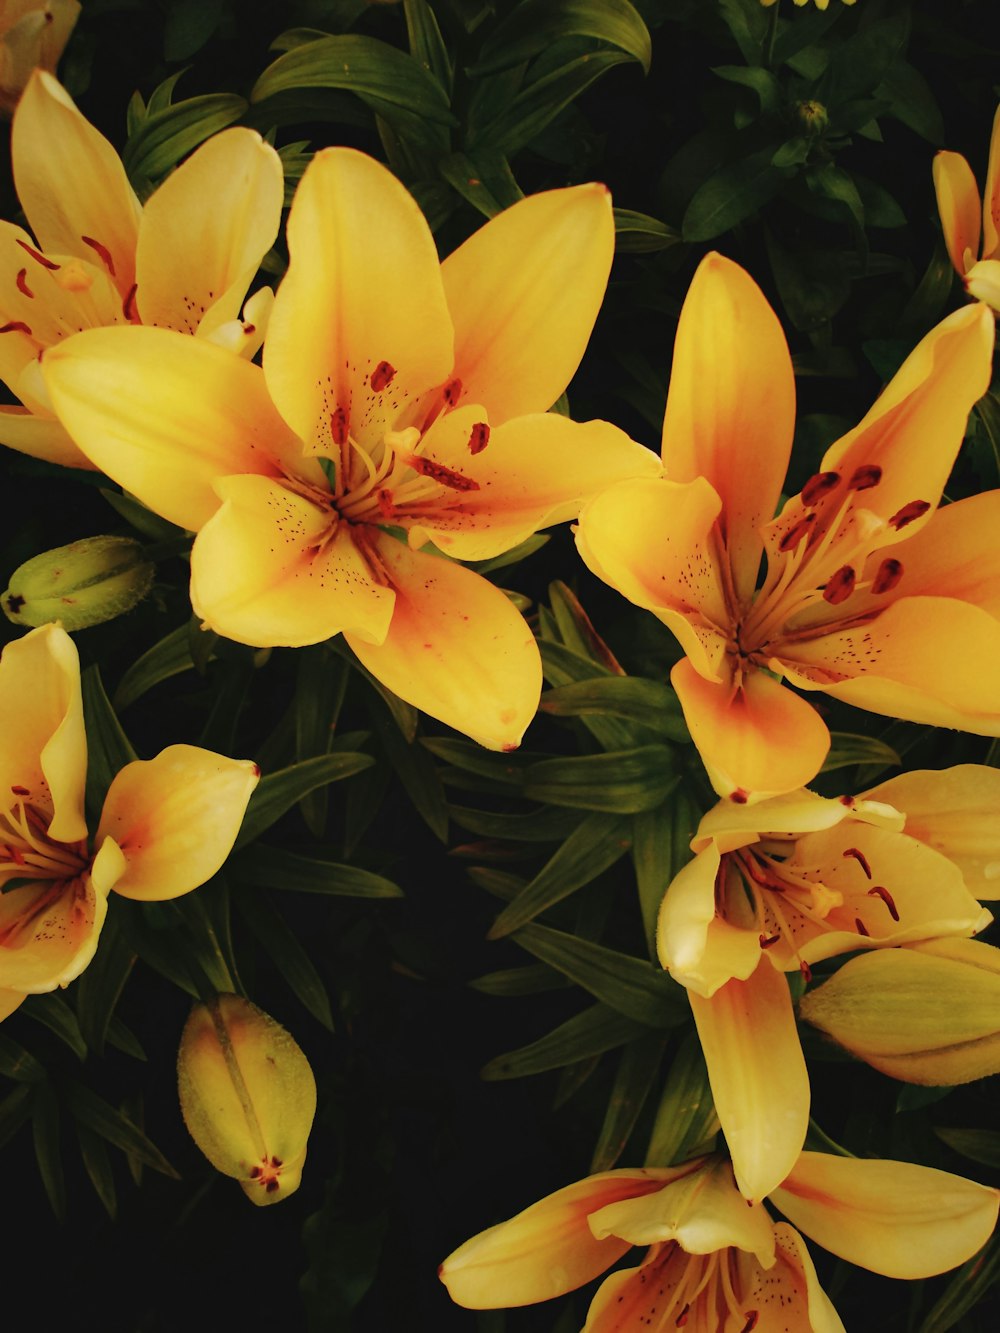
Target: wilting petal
653,541
982,282
546,1250
700,949
175,819
165,415
731,399
894,1218
885,665
266,570
914,428
534,471
757,741
205,230
524,292
758,1075
71,183
362,297
959,206
791,1285
457,648
43,745
991,194
41,437
957,812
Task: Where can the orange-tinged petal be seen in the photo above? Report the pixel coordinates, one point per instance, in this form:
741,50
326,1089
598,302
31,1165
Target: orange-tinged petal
731,405
547,1249
524,292
71,183
955,555
913,430
887,665
895,1218
362,298
205,230
757,741
957,812
270,569
43,745
699,949
791,1283
991,195
10,1000
41,437
457,648
758,1075
165,415
653,541
532,472
959,206
175,819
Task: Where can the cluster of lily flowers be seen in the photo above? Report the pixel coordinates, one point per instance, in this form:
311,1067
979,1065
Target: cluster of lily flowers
399,425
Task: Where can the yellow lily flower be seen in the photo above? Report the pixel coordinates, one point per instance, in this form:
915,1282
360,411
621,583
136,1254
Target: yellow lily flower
772,888
960,208
97,257
397,396
862,573
32,33
167,825
715,1264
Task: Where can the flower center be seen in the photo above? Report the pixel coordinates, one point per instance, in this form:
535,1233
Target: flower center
699,1292
35,869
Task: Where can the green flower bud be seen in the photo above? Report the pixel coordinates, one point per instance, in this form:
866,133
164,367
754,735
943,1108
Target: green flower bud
80,585
248,1096
927,1013
812,117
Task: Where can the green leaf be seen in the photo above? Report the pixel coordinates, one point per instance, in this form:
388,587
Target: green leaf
577,631
46,1133
274,868
98,1115
638,233
14,1111
651,703
53,1012
749,24
590,849
169,657
541,826
758,80
685,1117
979,1145
471,758
911,100
487,182
167,136
533,25
415,769
638,1068
280,941
619,782
426,43
100,987
530,980
320,683
108,748
97,1164
598,1029
733,193
846,750
145,522
661,845
188,26
641,991
278,792
17,1063
966,1289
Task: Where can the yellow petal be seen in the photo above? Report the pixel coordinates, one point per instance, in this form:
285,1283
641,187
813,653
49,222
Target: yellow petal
954,810
955,555
43,745
547,1249
205,230
266,570
524,292
41,437
533,471
728,825
652,540
991,194
886,666
71,183
10,1000
958,204
895,1218
757,1074
756,742
165,415
457,648
175,819
982,282
914,429
790,1285
699,949
731,398
362,297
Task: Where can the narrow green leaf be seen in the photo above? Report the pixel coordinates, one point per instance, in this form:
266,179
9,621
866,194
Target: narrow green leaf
46,1133
979,1145
108,748
577,630
97,1164
652,703
280,941
14,1111
17,1063
531,980
661,845
472,758
590,849
110,1124
732,194
169,657
100,987
53,1012
847,749
320,683
541,826
278,792
415,769
274,868
487,183
967,1287
145,522
167,136
638,1068
685,1117
598,1029
638,233
641,991
619,782
427,45
123,1039
749,25
533,25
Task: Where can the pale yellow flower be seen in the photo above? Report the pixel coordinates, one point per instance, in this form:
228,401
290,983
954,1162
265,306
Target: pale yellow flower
33,34
973,247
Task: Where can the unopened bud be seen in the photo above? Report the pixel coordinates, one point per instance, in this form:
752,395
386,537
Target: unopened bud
812,117
80,585
926,1013
248,1096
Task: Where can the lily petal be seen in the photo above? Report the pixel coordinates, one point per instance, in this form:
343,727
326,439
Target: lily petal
758,741
758,1075
535,471
955,555
982,282
547,1249
41,437
43,745
71,183
10,1000
165,415
175,819
360,325
457,648
991,194
793,1279
895,1218
524,292
266,571
959,206
699,949
728,825
205,230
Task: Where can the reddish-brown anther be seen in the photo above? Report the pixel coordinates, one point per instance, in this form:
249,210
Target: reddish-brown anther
338,426
839,586
861,859
879,891
444,476
382,376
915,509
818,485
479,437
889,573
865,477
102,250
